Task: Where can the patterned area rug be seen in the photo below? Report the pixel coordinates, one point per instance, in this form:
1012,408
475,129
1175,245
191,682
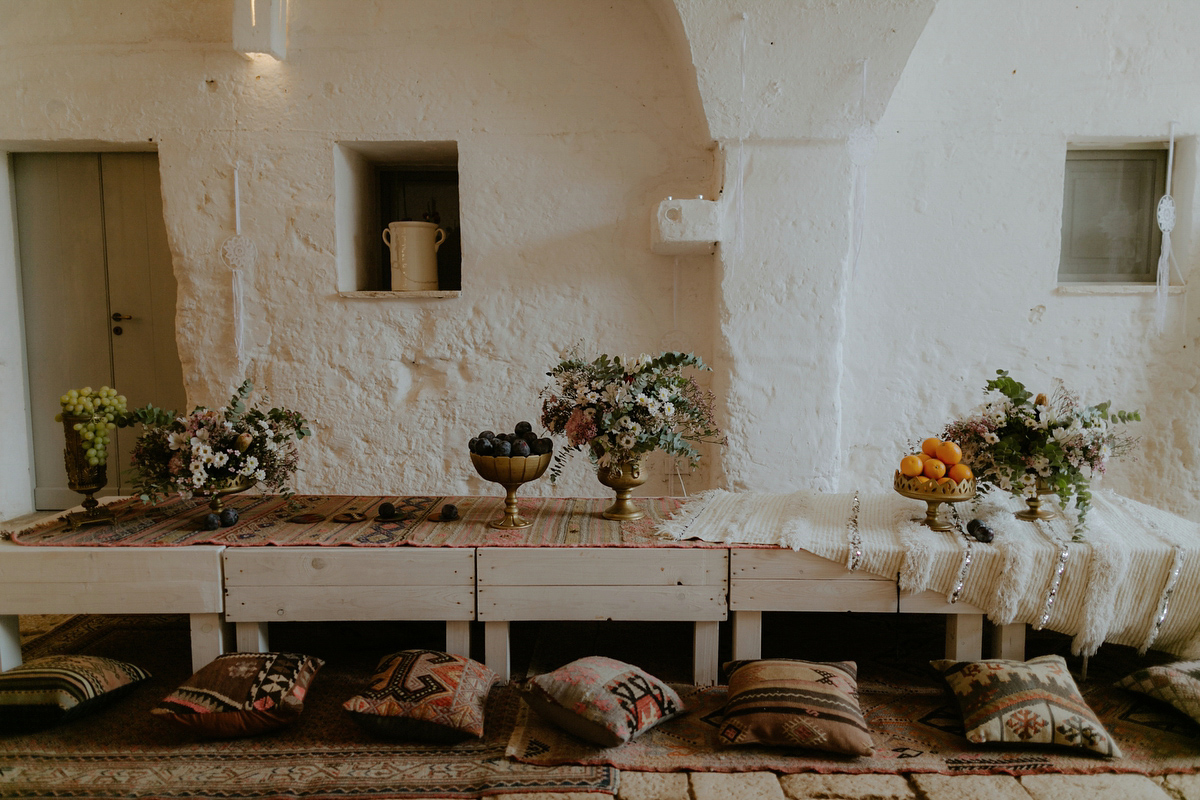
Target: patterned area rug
913,718
273,520
126,752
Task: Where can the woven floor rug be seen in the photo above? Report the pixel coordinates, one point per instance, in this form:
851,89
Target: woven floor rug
126,752
914,720
273,520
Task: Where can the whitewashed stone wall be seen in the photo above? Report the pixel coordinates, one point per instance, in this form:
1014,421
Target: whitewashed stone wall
958,272
573,120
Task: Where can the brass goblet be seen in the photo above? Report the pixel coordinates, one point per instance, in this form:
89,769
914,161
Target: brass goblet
82,477
510,472
948,492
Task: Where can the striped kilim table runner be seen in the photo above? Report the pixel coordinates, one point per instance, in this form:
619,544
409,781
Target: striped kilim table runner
275,520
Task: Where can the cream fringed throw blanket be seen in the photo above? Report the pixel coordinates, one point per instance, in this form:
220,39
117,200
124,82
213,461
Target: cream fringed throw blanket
1134,579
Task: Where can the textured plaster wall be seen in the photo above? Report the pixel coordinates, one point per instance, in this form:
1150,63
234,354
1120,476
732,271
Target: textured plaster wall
958,272
782,88
572,121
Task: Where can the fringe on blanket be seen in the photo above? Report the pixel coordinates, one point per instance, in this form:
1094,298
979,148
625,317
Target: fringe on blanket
677,526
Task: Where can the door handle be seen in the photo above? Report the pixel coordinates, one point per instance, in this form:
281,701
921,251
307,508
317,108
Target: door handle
117,317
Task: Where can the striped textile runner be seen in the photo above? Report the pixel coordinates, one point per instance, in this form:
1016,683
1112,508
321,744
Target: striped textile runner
268,520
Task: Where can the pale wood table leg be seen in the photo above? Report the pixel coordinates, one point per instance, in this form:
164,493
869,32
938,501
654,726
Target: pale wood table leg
252,637
704,652
458,637
964,637
495,648
1008,641
747,635
10,642
210,638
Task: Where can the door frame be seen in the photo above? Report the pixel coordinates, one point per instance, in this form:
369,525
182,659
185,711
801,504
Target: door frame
16,415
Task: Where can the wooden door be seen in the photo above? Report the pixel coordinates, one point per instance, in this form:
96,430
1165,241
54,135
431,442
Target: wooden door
93,243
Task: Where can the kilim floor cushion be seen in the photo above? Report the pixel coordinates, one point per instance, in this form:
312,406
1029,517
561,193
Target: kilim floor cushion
601,699
1025,703
126,752
242,694
424,695
52,689
792,703
1177,684
913,719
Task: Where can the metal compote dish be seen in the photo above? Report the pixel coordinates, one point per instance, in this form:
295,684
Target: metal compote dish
948,492
510,472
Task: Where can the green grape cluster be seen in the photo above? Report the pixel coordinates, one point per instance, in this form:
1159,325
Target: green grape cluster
101,411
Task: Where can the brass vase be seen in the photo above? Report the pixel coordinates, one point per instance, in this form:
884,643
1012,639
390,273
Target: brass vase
622,478
216,497
1035,511
82,477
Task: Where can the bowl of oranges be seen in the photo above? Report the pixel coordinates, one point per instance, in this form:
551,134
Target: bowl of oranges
936,475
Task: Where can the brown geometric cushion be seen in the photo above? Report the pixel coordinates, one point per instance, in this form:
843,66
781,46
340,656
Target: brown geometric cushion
46,691
1177,684
789,703
602,700
1025,702
424,695
241,694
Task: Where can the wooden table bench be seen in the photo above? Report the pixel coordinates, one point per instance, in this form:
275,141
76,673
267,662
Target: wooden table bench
602,583
769,579
289,584
114,580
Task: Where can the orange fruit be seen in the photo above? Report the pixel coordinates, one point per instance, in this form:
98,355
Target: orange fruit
922,480
911,466
944,481
934,469
949,453
923,457
960,472
929,446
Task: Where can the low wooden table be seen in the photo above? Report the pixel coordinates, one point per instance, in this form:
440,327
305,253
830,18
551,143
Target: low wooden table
770,579
467,574
289,584
602,583
114,580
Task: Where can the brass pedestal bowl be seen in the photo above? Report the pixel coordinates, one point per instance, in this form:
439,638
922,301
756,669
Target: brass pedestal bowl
510,472
934,494
216,496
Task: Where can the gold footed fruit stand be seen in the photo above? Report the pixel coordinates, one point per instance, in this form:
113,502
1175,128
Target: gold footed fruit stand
948,492
82,477
510,472
623,479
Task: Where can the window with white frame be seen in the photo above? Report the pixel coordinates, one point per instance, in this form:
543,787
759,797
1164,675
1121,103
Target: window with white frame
1109,232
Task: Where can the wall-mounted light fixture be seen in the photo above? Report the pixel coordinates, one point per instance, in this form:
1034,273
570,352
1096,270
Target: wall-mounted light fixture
260,26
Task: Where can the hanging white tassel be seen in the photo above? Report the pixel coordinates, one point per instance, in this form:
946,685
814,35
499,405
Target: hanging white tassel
1166,223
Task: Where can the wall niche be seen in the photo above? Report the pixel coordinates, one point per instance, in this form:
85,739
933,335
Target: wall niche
377,183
